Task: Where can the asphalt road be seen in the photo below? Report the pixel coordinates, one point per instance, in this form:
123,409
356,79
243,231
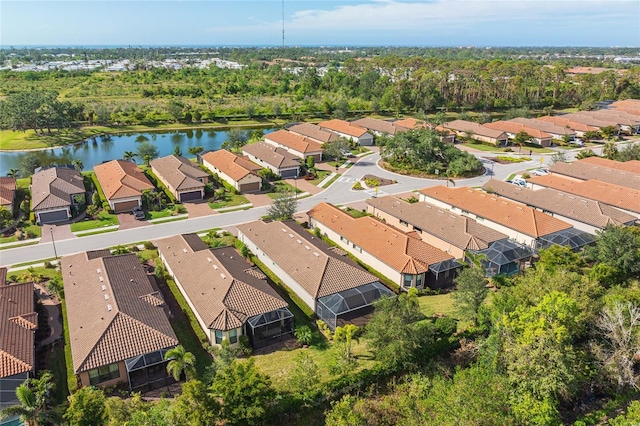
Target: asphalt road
338,193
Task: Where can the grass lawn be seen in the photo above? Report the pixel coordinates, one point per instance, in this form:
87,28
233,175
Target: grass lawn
72,382
104,219
282,186
167,212
320,175
55,361
333,179
230,200
23,183
482,147
437,304
35,230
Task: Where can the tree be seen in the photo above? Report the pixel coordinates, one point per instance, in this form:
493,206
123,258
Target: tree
29,163
343,337
522,137
284,206
55,286
195,150
610,150
195,406
147,151
86,407
619,248
335,148
35,402
246,393
585,153
176,109
177,151
558,157
129,156
14,173
236,139
608,132
223,357
304,377
6,217
180,362
342,413
303,334
471,290
78,164
311,162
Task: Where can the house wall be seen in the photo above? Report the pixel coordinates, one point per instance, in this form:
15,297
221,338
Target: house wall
366,139
247,179
317,155
266,165
211,334
112,202
84,377
286,279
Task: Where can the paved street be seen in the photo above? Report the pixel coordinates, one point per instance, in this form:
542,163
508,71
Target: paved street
338,193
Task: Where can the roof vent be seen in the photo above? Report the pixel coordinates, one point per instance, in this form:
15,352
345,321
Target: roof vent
307,247
109,308
104,288
316,254
215,267
284,230
106,297
224,277
184,250
101,279
290,235
209,259
99,270
299,242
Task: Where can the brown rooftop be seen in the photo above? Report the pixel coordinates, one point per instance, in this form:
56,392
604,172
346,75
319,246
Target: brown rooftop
461,231
314,131
113,311
318,272
573,125
7,191
581,209
511,215
232,165
344,127
294,141
18,321
223,288
54,186
545,126
382,126
410,123
511,127
121,179
179,172
632,166
277,157
585,171
474,129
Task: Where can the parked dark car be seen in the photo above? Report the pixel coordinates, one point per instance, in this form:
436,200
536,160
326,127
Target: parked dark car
138,213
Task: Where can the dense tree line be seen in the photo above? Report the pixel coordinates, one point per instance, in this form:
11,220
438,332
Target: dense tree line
37,110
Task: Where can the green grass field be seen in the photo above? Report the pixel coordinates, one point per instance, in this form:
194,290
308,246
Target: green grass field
230,200
104,219
440,304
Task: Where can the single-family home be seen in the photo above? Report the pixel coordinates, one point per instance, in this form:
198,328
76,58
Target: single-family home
512,129
522,224
557,132
300,146
18,322
55,191
313,131
402,257
627,103
333,286
357,134
380,127
583,213
278,160
584,170
632,166
620,197
228,296
185,180
122,183
410,123
628,123
591,121
237,171
118,321
559,120
476,131
7,192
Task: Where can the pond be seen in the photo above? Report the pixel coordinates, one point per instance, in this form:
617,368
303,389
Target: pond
100,149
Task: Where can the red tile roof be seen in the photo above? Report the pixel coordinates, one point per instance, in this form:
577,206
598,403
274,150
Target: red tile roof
18,320
344,127
121,179
294,141
7,191
232,165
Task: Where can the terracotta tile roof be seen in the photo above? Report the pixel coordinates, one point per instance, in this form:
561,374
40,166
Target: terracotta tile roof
545,126
585,171
218,283
232,165
277,157
511,215
179,172
342,126
515,128
3,276
474,128
613,195
588,119
560,120
619,117
632,166
7,191
410,123
113,310
53,187
294,141
461,231
635,111
561,203
382,126
631,103
387,244
121,179
313,131
306,260
17,322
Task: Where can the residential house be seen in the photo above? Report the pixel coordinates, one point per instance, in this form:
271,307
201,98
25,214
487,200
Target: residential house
402,257
476,131
584,170
380,127
118,323
583,213
628,123
228,296
333,286
313,131
237,171
7,192
55,192
627,103
122,183
353,132
557,132
632,166
559,120
300,146
512,129
620,197
278,160
185,180
410,123
591,121
18,322
522,224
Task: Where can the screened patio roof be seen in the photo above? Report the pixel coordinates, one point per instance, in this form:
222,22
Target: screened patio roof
354,298
505,251
572,237
269,317
445,265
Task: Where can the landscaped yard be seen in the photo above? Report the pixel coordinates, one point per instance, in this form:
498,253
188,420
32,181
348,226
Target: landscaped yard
230,200
169,211
29,231
320,175
282,186
104,219
440,304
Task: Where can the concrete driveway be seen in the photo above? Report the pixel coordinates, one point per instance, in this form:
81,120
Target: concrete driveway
198,209
128,221
60,232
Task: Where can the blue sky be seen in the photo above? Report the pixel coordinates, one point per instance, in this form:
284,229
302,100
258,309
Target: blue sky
378,22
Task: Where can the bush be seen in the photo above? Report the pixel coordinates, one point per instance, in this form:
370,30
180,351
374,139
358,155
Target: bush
507,150
526,176
245,345
324,329
372,182
357,186
148,245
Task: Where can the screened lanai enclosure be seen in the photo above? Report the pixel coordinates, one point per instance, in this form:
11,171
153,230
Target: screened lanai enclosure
504,257
442,274
149,371
268,328
572,237
349,303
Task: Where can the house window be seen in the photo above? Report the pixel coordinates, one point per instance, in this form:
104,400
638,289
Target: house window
218,337
418,230
404,223
408,280
479,219
419,280
104,373
343,239
233,336
356,248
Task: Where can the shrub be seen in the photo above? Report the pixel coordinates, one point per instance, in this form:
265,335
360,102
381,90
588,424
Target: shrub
372,182
507,150
304,334
324,329
526,176
48,265
245,345
357,186
148,245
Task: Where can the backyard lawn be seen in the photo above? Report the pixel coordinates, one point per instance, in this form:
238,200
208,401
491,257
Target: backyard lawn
439,304
104,219
230,200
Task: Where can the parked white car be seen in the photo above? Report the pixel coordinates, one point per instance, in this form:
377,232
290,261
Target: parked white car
578,142
540,172
520,182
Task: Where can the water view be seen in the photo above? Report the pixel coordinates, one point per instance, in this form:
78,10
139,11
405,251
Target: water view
100,149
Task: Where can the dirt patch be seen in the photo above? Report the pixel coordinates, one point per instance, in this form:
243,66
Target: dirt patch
383,181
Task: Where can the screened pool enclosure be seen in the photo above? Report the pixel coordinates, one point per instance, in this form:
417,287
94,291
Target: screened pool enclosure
346,303
504,257
268,328
572,237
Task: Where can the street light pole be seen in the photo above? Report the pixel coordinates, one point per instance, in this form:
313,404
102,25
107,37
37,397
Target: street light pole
295,182
53,241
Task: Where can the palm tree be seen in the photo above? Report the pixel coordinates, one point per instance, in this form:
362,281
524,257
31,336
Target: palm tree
34,408
14,173
78,164
195,150
181,361
129,156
